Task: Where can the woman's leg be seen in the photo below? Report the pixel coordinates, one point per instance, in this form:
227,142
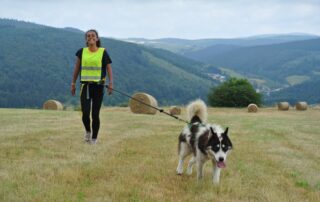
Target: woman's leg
97,98
85,107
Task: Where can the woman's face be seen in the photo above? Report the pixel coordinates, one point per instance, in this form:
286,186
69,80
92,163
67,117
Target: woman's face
92,38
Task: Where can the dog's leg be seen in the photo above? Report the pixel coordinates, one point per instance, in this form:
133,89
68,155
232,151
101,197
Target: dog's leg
200,163
216,173
183,153
190,165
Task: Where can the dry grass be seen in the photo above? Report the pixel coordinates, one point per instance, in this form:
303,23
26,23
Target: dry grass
276,157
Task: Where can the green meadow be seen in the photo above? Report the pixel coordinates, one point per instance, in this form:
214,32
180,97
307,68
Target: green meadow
276,157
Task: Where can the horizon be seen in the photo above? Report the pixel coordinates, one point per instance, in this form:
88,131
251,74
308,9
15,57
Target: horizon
243,37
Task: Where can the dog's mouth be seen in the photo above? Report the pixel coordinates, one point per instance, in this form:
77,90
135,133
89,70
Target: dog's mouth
221,164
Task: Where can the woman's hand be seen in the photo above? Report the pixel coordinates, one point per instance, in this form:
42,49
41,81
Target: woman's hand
110,87
73,89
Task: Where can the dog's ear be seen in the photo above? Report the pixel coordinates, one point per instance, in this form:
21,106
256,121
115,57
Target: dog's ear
214,136
226,130
214,141
226,139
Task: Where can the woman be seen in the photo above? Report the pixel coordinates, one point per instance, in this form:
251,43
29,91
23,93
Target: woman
93,63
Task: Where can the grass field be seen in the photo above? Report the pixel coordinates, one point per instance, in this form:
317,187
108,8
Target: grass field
276,157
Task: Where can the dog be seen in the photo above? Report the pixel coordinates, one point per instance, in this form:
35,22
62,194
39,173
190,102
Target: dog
204,141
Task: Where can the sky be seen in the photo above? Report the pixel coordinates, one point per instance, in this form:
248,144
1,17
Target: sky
188,19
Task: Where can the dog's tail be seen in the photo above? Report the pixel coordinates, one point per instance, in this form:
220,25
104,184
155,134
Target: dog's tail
197,111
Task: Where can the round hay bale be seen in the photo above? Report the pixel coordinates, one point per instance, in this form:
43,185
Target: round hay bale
301,106
139,108
174,110
53,105
252,108
283,106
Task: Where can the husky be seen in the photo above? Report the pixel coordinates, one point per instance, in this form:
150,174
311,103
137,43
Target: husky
204,141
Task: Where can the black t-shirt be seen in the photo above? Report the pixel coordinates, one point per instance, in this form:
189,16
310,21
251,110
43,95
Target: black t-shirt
105,60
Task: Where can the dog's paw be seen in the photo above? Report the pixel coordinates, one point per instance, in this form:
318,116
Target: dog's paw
179,171
189,171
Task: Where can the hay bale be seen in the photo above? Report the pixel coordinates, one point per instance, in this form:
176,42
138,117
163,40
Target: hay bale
301,106
53,105
283,106
252,108
174,110
139,108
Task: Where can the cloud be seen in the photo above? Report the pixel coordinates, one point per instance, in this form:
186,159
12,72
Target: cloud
171,18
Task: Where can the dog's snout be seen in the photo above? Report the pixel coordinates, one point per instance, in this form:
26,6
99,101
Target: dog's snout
221,159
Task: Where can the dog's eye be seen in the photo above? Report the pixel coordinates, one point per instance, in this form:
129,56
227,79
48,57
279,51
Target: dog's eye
218,145
223,146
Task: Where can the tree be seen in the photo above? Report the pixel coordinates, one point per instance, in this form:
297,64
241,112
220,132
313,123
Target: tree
234,93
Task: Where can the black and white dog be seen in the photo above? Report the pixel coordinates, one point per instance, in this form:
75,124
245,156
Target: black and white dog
204,141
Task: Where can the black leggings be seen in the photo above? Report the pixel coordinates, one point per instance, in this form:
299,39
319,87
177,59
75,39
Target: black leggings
91,95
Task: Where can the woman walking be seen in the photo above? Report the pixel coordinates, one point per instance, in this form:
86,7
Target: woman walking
93,63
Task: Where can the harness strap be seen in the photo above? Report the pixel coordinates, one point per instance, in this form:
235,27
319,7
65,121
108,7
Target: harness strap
88,96
197,123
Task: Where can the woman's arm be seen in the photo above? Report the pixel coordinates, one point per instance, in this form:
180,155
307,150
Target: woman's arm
75,76
110,86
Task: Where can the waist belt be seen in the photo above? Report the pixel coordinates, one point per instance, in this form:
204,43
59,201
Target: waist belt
88,83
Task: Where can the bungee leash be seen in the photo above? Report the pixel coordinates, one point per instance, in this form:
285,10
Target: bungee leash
158,109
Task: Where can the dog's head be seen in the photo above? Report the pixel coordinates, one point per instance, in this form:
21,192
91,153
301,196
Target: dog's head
218,147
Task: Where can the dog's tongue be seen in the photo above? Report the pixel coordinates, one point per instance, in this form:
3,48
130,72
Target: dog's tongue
221,164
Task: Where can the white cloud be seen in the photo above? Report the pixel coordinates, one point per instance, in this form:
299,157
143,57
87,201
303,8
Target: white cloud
171,18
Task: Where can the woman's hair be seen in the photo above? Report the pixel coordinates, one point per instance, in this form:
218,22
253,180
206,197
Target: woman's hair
95,31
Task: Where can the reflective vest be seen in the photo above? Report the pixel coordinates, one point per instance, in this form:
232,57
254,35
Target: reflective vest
91,65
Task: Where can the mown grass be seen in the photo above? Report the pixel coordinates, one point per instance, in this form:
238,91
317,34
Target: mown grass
296,79
276,157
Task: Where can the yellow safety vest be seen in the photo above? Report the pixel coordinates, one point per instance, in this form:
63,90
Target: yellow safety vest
91,65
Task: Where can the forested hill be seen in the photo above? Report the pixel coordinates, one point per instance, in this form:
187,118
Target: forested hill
36,64
308,91
281,63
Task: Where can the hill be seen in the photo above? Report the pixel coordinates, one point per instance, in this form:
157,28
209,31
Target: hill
270,62
271,67
278,62
37,63
189,47
308,91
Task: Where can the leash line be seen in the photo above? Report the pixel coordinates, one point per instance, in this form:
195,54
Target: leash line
160,110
